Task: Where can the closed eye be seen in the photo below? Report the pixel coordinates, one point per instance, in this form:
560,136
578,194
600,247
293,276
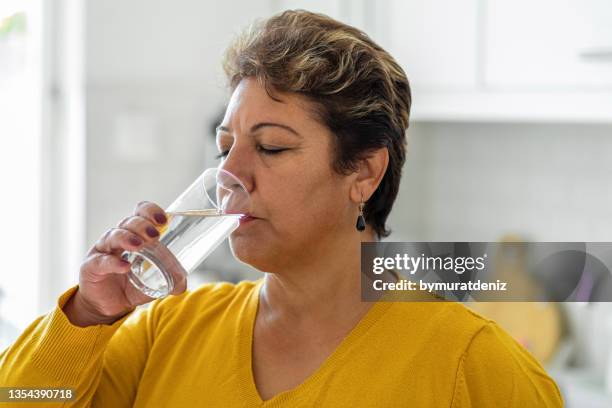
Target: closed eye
261,149
270,151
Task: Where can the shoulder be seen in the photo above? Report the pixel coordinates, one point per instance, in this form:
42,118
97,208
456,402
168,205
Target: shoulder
518,376
487,364
451,321
211,293
204,302
437,333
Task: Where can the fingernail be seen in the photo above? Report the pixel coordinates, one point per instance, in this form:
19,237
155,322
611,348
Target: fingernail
152,232
135,241
160,218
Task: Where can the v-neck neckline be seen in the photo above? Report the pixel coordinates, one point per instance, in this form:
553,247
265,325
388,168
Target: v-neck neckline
244,367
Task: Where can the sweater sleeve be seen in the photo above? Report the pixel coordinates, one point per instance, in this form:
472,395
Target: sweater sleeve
101,363
496,371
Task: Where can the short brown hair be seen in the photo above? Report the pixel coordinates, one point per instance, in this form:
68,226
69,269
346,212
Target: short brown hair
361,93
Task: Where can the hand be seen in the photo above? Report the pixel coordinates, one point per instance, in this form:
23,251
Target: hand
105,293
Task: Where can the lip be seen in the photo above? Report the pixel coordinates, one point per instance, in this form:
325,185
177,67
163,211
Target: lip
246,219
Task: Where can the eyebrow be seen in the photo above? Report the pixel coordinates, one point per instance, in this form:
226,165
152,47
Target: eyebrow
260,125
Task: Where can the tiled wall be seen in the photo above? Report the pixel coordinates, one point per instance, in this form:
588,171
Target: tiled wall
471,182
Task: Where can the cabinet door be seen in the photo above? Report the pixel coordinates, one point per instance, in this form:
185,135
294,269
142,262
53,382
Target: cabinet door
435,41
548,44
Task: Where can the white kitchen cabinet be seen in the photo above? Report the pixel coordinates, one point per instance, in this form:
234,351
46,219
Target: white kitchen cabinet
435,41
548,44
504,60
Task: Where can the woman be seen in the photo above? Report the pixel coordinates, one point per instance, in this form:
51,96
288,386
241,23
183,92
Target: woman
315,129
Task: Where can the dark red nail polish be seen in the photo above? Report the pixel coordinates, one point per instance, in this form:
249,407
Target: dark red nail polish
152,232
135,241
160,218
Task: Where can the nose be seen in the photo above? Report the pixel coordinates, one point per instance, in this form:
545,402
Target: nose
237,163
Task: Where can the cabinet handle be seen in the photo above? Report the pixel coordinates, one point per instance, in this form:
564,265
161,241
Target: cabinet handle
596,54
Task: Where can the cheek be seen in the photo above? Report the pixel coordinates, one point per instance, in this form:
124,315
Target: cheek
310,205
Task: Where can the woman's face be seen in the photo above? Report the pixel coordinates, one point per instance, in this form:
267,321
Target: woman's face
283,156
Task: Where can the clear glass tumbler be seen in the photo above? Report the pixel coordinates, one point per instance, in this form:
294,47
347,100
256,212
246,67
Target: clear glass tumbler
198,221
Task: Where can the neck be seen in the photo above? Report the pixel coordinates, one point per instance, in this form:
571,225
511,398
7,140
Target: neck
323,290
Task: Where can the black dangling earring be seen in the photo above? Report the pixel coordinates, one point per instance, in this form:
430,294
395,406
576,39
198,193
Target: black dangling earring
361,224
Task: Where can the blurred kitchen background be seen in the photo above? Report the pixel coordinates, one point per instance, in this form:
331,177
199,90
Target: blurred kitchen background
107,103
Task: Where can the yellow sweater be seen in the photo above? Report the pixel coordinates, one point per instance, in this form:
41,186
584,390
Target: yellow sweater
194,350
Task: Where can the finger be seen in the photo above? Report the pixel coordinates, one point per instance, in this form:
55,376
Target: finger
152,212
118,240
140,226
98,266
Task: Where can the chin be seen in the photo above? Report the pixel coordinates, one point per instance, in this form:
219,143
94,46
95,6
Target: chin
258,253
253,252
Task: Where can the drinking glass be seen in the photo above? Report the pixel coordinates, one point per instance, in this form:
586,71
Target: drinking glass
198,221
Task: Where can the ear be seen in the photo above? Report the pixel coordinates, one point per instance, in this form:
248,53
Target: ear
370,174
